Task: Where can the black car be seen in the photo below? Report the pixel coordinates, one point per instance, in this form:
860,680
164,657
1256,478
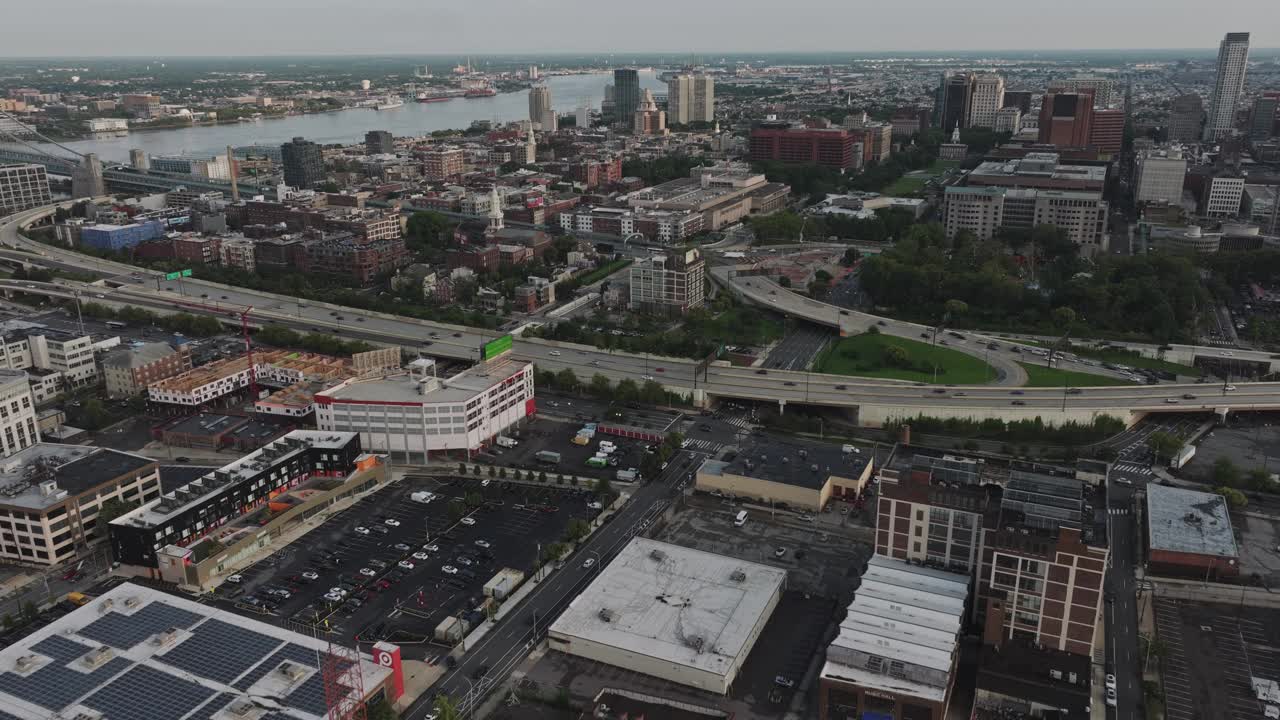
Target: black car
842,387
480,672
789,384
762,371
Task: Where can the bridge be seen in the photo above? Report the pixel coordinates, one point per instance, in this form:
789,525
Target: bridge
869,401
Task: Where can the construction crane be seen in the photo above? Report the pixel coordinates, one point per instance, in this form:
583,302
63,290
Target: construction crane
243,315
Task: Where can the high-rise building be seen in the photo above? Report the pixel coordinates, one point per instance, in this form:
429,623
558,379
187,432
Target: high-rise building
139,160
986,99
541,113
86,178
1020,99
626,93
1103,89
648,119
582,116
672,283
1233,59
379,142
1186,115
23,187
782,142
1066,119
443,163
691,98
1160,175
954,94
1008,119
303,163
19,420
1262,119
1106,130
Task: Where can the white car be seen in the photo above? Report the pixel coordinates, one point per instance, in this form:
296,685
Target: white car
647,378
431,548
468,521
555,353
333,597
1111,697
404,565
392,522
482,543
362,530
235,579
588,562
449,570
595,505
1229,388
337,591
485,482
368,572
420,556
310,575
1111,682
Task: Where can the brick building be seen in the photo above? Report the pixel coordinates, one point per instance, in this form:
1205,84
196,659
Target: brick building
783,142
129,370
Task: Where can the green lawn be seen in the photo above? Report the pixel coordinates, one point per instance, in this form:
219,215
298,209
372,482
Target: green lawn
861,355
906,185
1041,376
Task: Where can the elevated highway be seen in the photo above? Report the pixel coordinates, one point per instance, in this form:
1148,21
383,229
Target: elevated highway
871,401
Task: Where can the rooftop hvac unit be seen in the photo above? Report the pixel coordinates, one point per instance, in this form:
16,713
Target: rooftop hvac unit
658,555
1055,674
132,601
98,657
165,637
605,614
293,671
737,576
24,663
242,708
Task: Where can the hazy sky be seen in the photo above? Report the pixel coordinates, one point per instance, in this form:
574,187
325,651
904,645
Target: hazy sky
287,27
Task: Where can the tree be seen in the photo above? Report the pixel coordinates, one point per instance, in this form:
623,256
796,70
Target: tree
895,356
428,230
1225,472
462,468
473,499
1235,499
502,473
600,386
850,257
673,440
567,380
493,472
956,308
603,488
456,510
576,530
30,611
1259,479
542,477
446,708
1164,445
475,470
784,281
1064,318
111,509
380,710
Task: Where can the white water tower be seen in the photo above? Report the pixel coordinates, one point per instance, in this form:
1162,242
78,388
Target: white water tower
364,85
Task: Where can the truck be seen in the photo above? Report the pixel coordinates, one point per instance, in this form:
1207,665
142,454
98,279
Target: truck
422,496
581,439
597,462
628,475
1182,457
547,456
506,442
607,447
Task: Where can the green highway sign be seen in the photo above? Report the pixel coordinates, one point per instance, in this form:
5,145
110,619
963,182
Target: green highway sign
178,274
494,348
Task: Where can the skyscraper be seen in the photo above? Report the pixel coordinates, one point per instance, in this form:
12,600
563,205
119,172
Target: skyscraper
1233,58
954,94
648,119
379,142
691,98
626,93
1185,116
1262,119
541,114
303,164
1066,119
986,100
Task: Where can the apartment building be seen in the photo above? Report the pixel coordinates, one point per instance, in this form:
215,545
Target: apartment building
17,413
210,383
51,494
23,186
129,370
672,283
443,164
1223,195
784,142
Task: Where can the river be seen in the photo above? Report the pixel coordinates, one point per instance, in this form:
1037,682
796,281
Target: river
347,126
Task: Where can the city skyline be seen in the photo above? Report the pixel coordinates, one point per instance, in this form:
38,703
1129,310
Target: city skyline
91,28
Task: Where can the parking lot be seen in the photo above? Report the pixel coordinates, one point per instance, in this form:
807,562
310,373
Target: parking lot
397,567
557,437
1212,652
821,557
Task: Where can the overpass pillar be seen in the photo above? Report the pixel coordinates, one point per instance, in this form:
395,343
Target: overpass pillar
782,406
1222,414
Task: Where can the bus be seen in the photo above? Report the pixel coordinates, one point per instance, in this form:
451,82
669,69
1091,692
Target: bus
116,324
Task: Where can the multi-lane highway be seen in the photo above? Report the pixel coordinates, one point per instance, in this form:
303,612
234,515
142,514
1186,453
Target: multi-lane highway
876,400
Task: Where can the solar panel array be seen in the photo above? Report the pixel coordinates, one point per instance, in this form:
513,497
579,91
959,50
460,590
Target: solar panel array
292,652
220,651
55,685
144,693
310,696
211,708
125,631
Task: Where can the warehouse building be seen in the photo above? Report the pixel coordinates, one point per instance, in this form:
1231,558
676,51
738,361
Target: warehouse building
896,654
788,474
686,616
134,652
1189,533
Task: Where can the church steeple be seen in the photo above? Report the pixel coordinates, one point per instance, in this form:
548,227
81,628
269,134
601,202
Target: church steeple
495,211
955,134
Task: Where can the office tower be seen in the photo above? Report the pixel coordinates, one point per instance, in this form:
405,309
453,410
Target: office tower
782,142
23,187
1233,58
1020,99
1008,119
648,119
582,116
1066,119
1103,89
1185,117
379,142
86,178
954,94
1160,175
1106,131
533,72
303,164
986,99
541,114
138,159
1262,119
626,93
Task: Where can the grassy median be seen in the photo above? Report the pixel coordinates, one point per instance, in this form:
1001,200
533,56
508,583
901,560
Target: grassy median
882,356
1041,376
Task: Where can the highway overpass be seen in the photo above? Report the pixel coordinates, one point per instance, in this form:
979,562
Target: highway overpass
871,401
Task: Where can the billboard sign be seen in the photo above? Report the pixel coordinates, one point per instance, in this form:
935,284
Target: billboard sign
494,348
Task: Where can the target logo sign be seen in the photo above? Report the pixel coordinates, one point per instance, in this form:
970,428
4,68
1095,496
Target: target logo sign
383,658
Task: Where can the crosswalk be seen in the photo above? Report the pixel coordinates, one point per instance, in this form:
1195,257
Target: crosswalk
740,421
1134,468
706,446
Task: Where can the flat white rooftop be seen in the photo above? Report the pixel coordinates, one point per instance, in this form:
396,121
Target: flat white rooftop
408,389
686,607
